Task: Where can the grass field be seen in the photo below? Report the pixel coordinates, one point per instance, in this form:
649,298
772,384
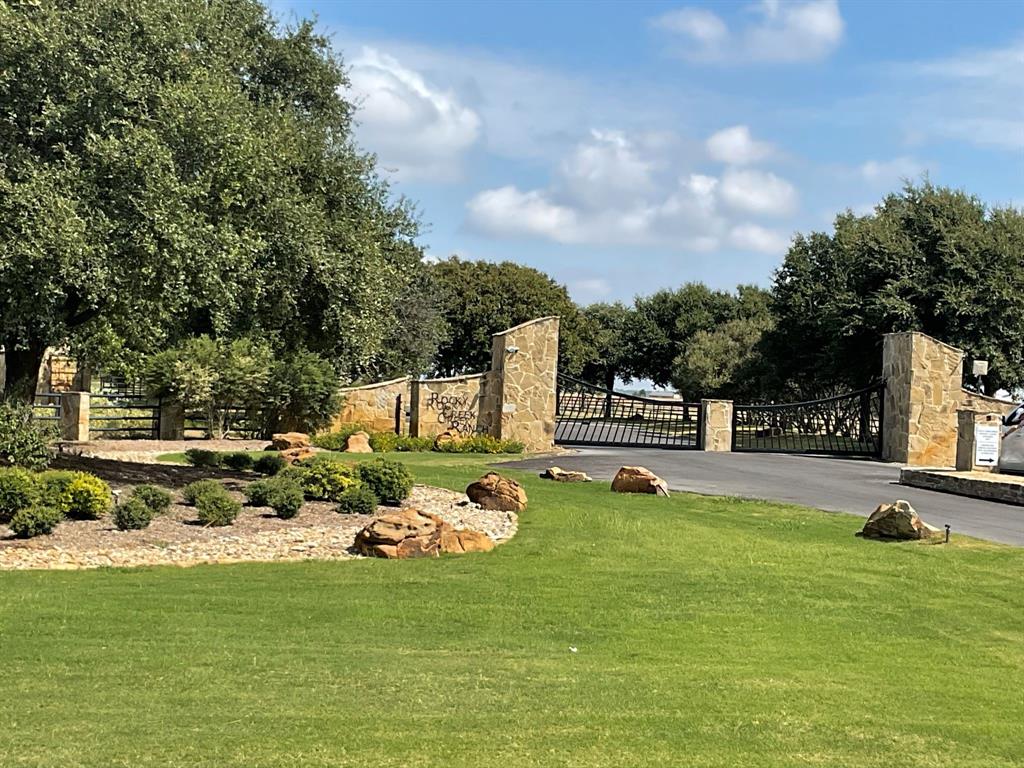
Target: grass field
709,632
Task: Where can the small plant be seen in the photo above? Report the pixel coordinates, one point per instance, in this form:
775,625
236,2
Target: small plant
17,490
258,493
88,497
194,491
335,441
157,499
217,508
239,460
35,521
285,498
24,442
389,480
357,500
322,478
388,442
52,488
480,444
132,515
270,464
200,457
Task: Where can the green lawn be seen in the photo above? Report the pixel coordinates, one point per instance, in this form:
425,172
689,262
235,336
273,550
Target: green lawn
710,632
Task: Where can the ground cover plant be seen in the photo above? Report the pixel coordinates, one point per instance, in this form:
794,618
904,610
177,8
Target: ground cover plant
707,632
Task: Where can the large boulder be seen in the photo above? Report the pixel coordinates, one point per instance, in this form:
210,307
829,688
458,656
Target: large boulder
638,480
295,455
897,521
286,441
358,442
410,533
560,475
492,491
459,541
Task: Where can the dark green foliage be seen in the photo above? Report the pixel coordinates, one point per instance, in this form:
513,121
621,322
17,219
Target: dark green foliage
217,509
270,464
335,441
132,515
87,497
258,493
157,499
285,498
480,444
34,521
24,442
240,460
301,394
195,491
17,491
201,457
323,479
389,480
358,500
52,488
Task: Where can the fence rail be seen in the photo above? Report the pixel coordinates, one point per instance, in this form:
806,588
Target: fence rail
120,415
46,407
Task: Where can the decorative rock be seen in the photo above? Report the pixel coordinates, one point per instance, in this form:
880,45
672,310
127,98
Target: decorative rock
286,441
458,542
492,491
358,442
295,455
638,480
897,521
565,476
448,436
404,534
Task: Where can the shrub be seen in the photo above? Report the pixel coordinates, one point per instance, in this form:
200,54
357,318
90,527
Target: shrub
357,500
195,491
387,442
270,464
480,444
389,480
322,478
200,457
157,499
285,498
302,393
217,508
335,441
52,488
239,460
88,497
24,442
132,515
258,493
35,521
17,490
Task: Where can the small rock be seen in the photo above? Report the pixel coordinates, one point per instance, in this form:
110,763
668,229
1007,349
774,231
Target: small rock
897,521
565,476
358,442
285,441
295,455
492,491
638,480
448,436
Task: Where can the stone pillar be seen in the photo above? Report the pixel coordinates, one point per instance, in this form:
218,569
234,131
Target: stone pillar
172,420
716,425
922,395
524,365
965,443
74,416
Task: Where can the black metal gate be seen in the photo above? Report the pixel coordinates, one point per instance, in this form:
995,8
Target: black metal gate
590,415
844,425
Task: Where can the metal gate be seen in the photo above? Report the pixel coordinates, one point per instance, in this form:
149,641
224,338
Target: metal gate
844,425
590,415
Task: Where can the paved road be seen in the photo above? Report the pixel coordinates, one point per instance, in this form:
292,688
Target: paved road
833,484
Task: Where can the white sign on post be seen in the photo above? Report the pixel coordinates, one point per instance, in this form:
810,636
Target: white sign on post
986,445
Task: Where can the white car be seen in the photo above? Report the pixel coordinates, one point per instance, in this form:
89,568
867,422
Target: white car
1011,451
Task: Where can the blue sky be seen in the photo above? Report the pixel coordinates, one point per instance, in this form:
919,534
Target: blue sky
625,147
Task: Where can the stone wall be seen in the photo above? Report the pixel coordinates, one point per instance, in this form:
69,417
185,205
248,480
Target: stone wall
374,405
716,425
463,404
524,360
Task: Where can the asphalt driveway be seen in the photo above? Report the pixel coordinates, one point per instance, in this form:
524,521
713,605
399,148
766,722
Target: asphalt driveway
833,484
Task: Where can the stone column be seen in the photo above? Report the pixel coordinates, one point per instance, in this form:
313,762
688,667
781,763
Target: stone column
74,416
172,420
524,365
716,425
965,443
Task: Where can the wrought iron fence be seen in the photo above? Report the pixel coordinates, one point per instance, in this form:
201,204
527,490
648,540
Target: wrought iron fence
849,424
590,415
119,415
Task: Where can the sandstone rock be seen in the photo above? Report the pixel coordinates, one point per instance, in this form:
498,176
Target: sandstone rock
638,480
492,491
448,436
295,455
358,442
565,476
460,541
286,441
897,521
410,533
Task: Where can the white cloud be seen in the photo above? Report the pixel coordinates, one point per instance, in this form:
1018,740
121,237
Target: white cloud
753,237
736,146
507,211
758,192
587,290
780,32
416,128
889,172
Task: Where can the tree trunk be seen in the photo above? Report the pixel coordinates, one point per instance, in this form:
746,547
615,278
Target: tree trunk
22,371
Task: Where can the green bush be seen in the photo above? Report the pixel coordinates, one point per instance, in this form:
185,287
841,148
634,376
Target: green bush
88,497
200,457
285,498
17,491
35,521
258,493
270,464
389,480
335,441
24,442
195,491
301,394
389,442
157,499
480,444
322,478
357,500
132,515
52,488
217,508
239,460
